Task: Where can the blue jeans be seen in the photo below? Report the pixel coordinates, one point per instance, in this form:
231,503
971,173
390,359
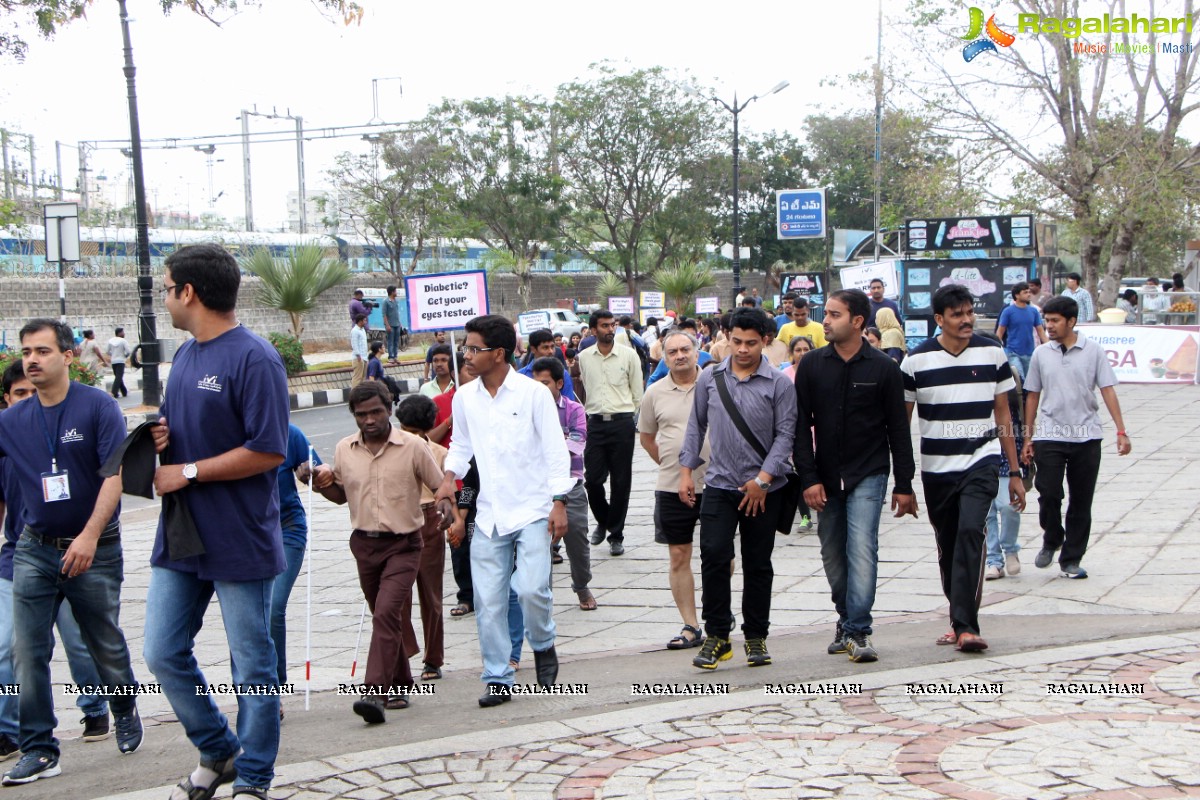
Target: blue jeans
281,590
1020,365
95,596
493,576
1003,527
393,341
516,626
83,669
849,534
175,606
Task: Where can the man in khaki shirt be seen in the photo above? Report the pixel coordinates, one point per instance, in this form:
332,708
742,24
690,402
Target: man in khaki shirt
380,471
662,424
612,377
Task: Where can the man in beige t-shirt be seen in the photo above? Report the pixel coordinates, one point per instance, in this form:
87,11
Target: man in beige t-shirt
662,423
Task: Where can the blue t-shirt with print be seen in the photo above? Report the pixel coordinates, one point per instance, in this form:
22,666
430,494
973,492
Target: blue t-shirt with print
292,517
1019,324
226,393
83,431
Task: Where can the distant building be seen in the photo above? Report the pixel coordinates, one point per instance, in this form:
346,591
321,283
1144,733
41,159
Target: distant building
319,207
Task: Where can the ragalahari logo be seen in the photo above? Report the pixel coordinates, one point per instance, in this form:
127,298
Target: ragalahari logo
995,36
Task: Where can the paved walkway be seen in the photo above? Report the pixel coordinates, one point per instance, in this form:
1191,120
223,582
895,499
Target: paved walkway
1145,545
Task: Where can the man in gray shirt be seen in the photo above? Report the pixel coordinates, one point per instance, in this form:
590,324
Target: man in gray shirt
743,492
1063,377
392,323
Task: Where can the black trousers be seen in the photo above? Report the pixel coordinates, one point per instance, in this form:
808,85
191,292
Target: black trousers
118,388
609,455
958,510
1080,462
720,521
460,564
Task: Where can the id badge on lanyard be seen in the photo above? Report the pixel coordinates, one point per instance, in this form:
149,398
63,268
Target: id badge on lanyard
56,484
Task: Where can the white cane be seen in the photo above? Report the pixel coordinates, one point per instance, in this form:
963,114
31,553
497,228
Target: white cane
308,609
358,641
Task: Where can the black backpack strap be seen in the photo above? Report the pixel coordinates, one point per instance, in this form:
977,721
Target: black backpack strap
734,415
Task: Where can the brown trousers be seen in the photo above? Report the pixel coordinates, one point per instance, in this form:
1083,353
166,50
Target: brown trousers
429,592
387,568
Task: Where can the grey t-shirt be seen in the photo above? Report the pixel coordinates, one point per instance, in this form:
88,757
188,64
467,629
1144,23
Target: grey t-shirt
1068,409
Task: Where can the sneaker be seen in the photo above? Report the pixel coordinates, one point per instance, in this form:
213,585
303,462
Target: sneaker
993,573
95,728
838,645
1073,571
805,523
129,731
712,652
8,748
860,649
31,767
756,652
1012,564
1044,557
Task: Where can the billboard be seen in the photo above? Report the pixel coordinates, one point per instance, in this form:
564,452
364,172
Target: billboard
969,233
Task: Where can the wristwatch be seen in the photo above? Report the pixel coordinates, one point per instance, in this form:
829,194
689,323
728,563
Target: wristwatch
764,485
191,472
560,498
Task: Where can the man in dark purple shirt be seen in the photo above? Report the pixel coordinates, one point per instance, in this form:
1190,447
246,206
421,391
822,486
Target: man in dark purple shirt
742,492
357,306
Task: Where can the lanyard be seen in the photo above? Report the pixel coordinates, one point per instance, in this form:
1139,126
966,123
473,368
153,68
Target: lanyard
51,442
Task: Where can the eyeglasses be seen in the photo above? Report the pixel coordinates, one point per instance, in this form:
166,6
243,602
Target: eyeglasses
472,350
163,291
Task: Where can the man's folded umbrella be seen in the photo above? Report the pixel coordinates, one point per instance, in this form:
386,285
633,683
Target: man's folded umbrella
135,460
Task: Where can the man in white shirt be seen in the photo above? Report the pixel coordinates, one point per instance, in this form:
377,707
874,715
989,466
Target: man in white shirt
118,350
509,424
358,346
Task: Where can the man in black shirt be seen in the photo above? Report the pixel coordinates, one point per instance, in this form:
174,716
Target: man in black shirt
852,396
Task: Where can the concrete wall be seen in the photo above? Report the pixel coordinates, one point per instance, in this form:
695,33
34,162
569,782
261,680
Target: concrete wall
105,303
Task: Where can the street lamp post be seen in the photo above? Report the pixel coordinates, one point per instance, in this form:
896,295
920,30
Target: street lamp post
735,109
147,327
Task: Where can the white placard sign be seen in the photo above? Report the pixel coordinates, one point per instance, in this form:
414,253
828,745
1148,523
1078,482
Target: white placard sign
860,277
707,305
653,300
658,313
445,301
532,321
621,305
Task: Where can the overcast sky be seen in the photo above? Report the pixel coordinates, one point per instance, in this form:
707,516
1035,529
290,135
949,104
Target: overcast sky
194,78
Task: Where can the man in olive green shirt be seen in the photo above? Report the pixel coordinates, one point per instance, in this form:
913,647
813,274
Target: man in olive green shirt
612,377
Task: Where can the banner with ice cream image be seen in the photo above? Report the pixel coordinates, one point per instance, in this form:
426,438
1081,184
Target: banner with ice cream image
1148,353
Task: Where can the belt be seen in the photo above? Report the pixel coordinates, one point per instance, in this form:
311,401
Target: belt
380,534
610,417
110,534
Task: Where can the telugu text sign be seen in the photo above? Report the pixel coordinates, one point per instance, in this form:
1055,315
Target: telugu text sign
445,301
800,213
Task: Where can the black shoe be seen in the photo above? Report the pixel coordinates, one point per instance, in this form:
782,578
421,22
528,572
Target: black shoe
616,548
838,645
370,709
95,728
129,731
756,653
8,748
597,535
496,694
1044,557
546,666
714,650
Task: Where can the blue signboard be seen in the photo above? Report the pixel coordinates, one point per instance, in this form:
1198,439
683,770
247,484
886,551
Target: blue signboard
800,213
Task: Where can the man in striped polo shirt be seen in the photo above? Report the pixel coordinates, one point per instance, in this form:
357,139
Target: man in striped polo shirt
959,382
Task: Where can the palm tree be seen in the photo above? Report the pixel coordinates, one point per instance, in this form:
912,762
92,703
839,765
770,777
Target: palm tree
681,283
294,284
610,285
518,266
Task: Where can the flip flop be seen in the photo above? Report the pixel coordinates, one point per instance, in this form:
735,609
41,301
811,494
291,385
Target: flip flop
461,610
948,638
970,643
587,602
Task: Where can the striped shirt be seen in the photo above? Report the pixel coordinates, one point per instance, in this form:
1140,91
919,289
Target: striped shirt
955,398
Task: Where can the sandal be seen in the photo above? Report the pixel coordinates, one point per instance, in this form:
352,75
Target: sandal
226,773
682,642
431,673
587,602
461,610
948,638
555,557
396,703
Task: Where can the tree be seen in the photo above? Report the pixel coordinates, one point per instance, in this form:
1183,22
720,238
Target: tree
680,284
1084,117
50,15
629,147
292,285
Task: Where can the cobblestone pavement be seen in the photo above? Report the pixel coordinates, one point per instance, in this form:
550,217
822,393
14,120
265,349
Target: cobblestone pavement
882,742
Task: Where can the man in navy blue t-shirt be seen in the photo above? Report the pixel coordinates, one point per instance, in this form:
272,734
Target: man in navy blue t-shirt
223,436
70,545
